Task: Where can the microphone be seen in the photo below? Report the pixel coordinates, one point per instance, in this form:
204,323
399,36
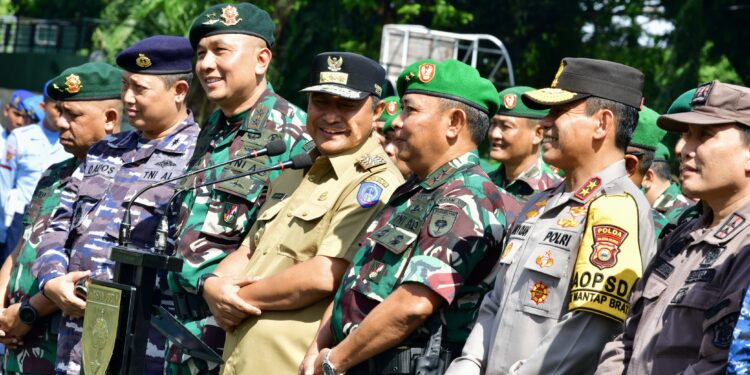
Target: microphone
273,148
299,161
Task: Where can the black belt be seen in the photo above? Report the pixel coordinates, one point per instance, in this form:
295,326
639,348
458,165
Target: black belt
189,306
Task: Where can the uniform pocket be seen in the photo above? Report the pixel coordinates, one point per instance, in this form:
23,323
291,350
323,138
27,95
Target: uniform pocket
543,292
226,218
89,197
305,231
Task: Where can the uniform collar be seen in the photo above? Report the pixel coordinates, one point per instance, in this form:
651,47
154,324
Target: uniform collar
259,109
445,172
343,162
176,142
725,231
597,182
531,177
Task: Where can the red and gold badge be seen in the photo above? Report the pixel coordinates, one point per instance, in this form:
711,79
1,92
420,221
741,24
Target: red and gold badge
539,292
391,108
229,16
607,241
426,72
73,83
546,260
510,101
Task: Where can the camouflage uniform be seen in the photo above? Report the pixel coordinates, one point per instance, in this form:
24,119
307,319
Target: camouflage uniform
445,233
214,220
739,351
86,225
539,176
671,203
660,222
37,355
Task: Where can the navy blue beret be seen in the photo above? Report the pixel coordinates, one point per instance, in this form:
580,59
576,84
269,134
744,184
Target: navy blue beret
159,54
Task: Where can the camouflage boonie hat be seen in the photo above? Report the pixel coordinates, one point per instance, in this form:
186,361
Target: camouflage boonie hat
242,18
87,82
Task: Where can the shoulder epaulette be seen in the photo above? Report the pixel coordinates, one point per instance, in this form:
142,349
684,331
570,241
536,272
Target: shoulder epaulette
369,161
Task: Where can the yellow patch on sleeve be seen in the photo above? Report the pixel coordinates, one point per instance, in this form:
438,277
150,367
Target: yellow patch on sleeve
609,258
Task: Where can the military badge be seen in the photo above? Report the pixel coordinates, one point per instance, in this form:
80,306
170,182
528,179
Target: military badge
229,16
532,214
607,241
368,194
426,72
441,222
573,219
100,328
376,272
701,94
507,250
143,61
588,188
391,108
15,101
546,260
723,330
409,76
510,100
378,89
539,292
229,217
335,63
369,161
73,84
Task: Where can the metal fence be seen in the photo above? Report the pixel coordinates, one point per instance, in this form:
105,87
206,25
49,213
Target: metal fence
32,35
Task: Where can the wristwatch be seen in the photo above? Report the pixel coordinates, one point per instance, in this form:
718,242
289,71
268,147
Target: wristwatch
27,313
201,281
328,368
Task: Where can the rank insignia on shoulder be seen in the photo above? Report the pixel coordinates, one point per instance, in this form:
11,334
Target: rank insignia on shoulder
368,194
539,292
370,161
729,226
607,241
588,188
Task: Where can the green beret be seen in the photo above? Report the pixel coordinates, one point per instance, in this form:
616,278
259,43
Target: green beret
88,82
450,79
647,134
662,153
390,112
512,105
682,103
242,18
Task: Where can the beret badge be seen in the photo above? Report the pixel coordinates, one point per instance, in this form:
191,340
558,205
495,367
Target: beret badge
426,72
510,101
73,83
229,17
143,61
391,108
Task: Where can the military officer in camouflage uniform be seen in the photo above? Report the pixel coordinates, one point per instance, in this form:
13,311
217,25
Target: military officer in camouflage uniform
310,223
570,262
426,262
390,112
31,337
85,227
232,43
515,137
687,303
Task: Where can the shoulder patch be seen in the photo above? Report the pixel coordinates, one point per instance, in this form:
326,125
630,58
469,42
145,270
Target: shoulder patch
607,241
309,146
588,188
370,161
441,222
369,194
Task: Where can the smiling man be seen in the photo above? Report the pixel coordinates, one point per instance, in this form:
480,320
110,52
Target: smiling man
307,230
86,225
689,299
573,256
233,44
30,323
515,137
422,268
